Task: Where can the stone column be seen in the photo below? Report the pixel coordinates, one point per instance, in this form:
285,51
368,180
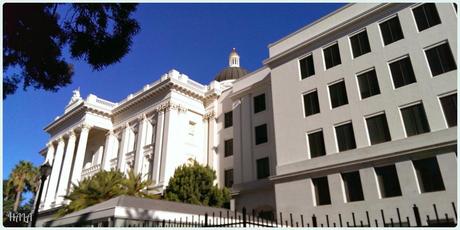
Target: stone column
158,146
142,132
80,155
52,186
49,159
124,148
108,150
65,175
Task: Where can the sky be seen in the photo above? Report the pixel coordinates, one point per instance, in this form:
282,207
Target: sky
194,39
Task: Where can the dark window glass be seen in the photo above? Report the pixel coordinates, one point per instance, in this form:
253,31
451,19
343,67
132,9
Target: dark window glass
261,134
259,103
332,56
345,137
415,121
263,168
316,144
228,178
388,181
402,72
378,129
338,94
429,175
360,44
449,106
353,187
322,193
440,59
391,30
228,119
228,145
368,84
311,104
307,68
426,16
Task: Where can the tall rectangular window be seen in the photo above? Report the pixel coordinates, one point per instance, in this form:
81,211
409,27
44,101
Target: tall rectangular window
377,128
360,44
332,56
259,103
228,178
440,59
228,119
345,137
228,148
311,103
353,187
316,144
368,84
426,16
415,121
263,168
322,194
429,175
388,181
391,30
261,134
338,94
449,107
402,72
307,67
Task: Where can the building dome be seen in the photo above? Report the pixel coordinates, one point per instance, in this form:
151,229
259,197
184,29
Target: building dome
233,71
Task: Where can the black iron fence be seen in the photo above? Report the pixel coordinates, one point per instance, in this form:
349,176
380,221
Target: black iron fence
251,219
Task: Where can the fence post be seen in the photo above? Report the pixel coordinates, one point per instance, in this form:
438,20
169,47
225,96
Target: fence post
417,216
244,217
206,219
313,220
164,223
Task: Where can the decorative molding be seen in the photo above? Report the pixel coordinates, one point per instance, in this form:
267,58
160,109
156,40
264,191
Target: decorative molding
209,115
167,106
85,126
71,134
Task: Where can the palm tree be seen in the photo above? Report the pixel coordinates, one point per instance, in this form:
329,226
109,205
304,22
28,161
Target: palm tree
22,179
135,186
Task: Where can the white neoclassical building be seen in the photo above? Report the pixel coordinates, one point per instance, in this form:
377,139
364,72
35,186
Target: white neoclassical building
354,113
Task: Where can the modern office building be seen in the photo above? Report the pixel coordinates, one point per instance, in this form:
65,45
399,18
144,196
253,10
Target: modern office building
355,112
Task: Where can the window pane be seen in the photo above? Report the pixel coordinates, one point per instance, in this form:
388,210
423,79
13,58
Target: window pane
345,137
261,134
368,84
311,103
391,30
440,59
322,193
228,119
353,187
307,68
263,168
426,16
378,129
332,56
388,181
415,121
338,94
360,44
228,178
228,148
316,144
449,107
429,175
402,72
259,103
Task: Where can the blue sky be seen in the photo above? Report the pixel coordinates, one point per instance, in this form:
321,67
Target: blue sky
195,39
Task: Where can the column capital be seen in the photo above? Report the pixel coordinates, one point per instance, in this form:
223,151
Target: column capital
110,133
85,126
50,144
60,139
71,134
142,117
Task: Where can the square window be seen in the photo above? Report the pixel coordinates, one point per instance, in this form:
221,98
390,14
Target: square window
428,175
332,56
345,137
391,30
426,16
316,144
322,194
263,168
228,146
360,44
311,103
415,121
338,94
377,128
228,119
449,107
353,187
307,67
402,72
388,181
368,84
259,103
440,59
228,178
261,134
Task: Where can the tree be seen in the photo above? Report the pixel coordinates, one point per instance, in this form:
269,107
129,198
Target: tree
22,179
193,183
35,34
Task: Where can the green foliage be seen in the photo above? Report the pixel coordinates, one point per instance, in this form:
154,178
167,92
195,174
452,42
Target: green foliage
22,178
34,35
193,183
